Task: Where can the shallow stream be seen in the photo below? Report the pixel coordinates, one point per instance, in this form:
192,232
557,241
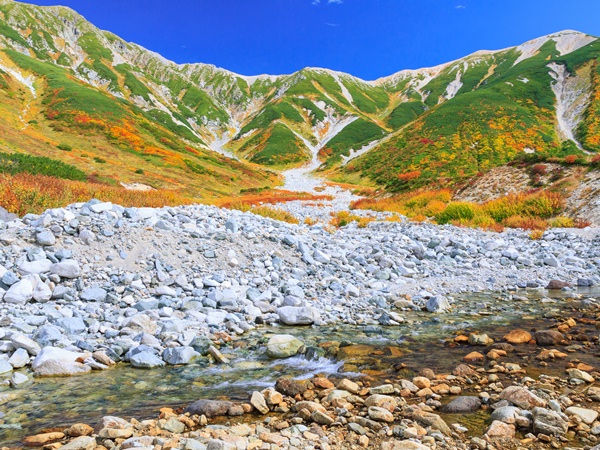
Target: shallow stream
382,352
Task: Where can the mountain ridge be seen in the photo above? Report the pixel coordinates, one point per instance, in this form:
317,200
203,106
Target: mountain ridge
364,132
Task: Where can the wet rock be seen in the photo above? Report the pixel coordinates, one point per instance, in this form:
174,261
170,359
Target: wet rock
209,408
380,414
518,337
258,401
40,440
291,388
548,422
500,430
588,416
179,355
463,370
5,367
432,420
522,397
146,360
283,346
438,304
507,414
81,443
219,357
548,337
480,339
54,368
473,357
463,405
557,284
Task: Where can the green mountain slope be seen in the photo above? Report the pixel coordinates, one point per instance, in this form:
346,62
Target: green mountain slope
65,81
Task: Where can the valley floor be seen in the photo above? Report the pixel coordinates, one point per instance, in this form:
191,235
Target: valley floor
93,284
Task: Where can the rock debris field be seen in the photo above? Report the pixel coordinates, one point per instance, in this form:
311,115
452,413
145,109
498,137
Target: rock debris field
89,285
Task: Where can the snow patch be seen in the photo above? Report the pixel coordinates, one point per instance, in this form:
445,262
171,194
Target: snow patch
523,80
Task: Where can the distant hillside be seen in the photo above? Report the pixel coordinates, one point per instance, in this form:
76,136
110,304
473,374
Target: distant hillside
123,114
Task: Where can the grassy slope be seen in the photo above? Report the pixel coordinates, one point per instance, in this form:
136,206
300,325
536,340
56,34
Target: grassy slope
474,131
110,140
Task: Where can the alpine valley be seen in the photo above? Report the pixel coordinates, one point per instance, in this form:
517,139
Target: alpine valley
122,114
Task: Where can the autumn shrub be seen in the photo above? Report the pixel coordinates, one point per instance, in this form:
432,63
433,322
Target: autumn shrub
526,223
539,169
268,196
64,147
545,204
536,235
570,159
26,193
562,222
274,213
581,223
310,221
456,211
427,203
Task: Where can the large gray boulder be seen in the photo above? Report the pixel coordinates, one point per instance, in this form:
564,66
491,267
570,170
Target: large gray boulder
438,304
179,355
66,269
146,360
548,422
283,346
292,315
19,293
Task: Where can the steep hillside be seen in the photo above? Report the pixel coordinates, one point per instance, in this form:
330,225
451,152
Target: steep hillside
128,115
482,111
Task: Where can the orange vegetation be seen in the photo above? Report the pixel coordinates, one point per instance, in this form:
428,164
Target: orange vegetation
268,196
25,193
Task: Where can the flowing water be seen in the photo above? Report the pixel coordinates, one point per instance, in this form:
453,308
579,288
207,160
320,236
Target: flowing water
381,352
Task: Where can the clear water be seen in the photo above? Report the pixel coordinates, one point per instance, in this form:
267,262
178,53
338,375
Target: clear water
128,392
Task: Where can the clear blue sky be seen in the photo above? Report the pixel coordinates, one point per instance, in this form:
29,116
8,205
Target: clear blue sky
367,38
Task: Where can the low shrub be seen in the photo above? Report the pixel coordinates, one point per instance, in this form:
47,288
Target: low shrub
456,211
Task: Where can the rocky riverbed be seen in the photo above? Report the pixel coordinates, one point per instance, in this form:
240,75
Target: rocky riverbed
93,285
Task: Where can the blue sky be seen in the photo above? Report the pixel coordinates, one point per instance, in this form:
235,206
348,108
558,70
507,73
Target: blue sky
367,38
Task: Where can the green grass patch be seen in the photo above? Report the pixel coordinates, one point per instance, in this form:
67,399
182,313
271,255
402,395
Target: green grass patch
14,163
